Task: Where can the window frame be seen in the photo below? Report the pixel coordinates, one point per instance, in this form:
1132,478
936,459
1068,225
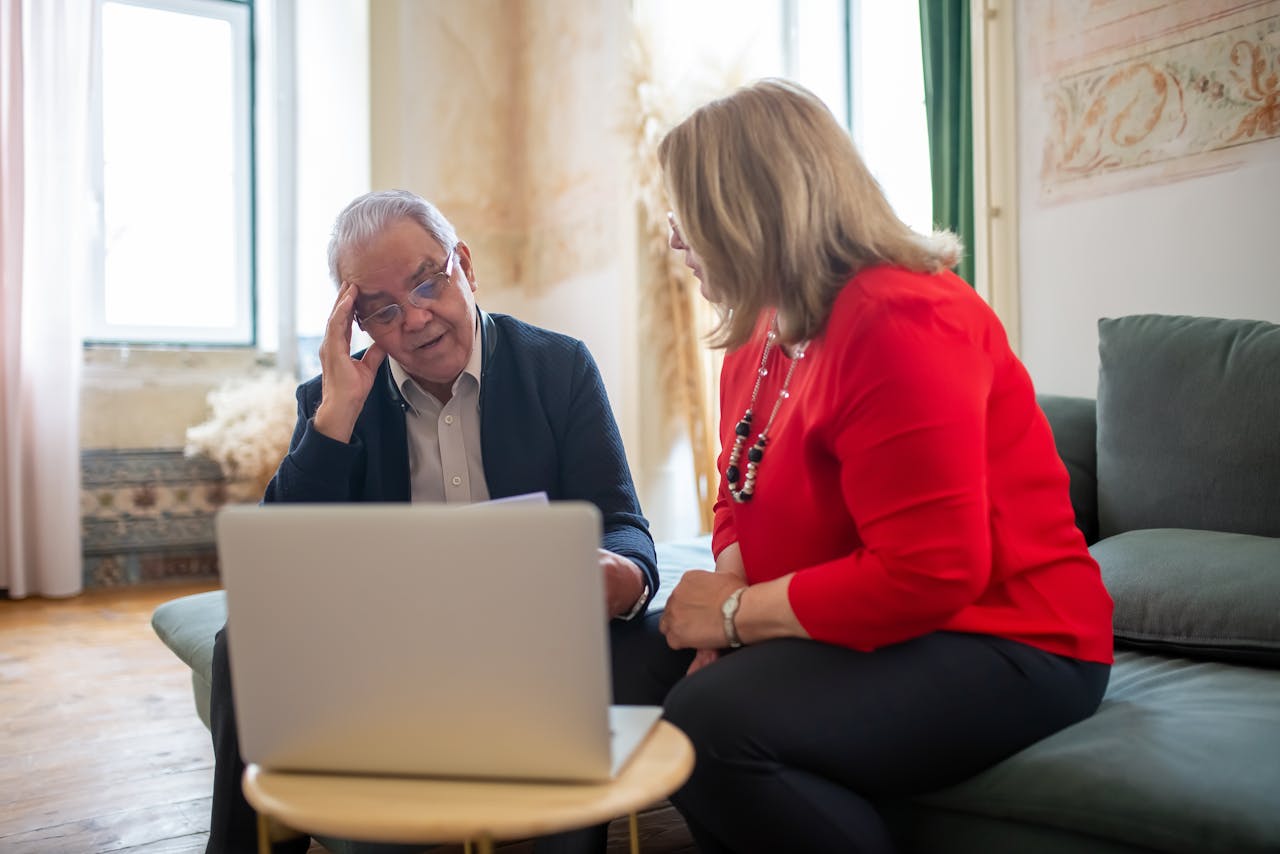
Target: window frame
239,14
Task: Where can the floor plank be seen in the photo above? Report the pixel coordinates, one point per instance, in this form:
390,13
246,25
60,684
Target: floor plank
101,750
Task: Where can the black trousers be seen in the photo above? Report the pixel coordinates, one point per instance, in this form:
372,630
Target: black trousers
639,678
796,739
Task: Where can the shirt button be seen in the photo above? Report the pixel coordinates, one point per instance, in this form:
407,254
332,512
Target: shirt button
457,481
448,419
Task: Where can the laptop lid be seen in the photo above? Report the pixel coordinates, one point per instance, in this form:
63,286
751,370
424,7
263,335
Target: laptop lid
419,639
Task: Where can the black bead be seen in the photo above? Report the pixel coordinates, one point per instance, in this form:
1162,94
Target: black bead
743,428
755,455
731,473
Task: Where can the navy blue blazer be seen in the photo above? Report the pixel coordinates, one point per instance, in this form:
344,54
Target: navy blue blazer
545,426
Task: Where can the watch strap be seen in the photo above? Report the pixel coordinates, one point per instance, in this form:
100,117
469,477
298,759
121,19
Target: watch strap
730,611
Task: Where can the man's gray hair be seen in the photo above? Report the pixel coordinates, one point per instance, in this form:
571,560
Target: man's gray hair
369,215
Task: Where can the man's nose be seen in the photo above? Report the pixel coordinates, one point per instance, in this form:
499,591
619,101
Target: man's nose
416,317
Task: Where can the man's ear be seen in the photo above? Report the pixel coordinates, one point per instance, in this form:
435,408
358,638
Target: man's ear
464,260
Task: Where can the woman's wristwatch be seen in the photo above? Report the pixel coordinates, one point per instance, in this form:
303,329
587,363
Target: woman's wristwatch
730,610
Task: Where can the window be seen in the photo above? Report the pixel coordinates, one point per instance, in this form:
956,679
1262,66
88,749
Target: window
889,122
176,174
862,57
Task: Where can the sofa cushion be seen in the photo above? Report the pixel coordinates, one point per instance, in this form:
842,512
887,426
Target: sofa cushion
1181,757
1199,593
1188,419
675,558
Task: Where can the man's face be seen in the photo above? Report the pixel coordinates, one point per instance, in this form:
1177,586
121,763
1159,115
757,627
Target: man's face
432,339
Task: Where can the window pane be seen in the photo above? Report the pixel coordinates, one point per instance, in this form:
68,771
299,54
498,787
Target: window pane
818,53
890,126
173,177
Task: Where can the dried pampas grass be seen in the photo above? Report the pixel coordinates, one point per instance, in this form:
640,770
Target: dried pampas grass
248,432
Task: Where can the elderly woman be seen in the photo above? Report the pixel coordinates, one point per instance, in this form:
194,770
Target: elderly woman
901,597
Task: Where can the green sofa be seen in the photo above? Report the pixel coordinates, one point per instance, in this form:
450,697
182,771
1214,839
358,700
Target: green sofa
1175,480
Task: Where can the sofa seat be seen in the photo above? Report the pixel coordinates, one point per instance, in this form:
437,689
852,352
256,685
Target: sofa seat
1182,756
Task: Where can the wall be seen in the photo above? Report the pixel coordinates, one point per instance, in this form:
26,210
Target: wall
1189,235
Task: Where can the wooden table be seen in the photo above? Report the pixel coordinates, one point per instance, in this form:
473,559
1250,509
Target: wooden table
412,810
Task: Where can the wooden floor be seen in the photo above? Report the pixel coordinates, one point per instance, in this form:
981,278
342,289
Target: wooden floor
100,747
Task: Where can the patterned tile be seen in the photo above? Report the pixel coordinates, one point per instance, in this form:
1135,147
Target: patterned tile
147,515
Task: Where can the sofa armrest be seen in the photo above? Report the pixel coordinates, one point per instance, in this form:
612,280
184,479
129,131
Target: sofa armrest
1074,421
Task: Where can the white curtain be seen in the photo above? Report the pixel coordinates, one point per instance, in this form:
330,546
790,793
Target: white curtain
50,235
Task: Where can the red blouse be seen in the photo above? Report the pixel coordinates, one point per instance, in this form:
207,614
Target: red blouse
910,480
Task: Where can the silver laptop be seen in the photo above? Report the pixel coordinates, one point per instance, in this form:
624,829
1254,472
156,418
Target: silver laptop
425,640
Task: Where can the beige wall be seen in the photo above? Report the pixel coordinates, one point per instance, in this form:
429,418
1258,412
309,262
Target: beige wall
143,398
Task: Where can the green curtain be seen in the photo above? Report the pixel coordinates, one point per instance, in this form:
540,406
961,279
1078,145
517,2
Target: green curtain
948,98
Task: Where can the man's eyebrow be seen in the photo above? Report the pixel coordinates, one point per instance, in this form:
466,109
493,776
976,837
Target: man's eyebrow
416,277
363,298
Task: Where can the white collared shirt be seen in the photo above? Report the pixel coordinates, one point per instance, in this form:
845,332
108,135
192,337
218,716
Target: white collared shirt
444,439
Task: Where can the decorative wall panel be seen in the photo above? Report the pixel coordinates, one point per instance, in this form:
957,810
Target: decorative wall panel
1142,92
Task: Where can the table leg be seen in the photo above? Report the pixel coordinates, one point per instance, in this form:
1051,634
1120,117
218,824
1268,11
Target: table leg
634,824
484,845
466,846
264,835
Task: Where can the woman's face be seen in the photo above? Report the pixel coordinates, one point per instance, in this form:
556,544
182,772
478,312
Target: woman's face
691,258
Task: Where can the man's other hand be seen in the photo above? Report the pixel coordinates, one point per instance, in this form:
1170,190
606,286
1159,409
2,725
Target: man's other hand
623,583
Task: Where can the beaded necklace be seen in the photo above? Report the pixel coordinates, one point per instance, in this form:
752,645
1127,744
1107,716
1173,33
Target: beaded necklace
743,430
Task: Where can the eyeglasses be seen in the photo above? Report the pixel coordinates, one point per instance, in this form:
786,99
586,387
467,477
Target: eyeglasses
425,292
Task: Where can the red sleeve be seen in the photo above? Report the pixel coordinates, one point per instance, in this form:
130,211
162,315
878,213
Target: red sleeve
909,436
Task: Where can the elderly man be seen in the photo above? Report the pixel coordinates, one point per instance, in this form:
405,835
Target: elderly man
448,404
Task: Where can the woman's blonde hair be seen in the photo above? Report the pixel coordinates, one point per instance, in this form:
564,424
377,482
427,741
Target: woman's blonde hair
770,191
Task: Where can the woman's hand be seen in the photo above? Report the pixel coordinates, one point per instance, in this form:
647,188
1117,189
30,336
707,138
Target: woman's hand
728,564
344,382
692,617
701,659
